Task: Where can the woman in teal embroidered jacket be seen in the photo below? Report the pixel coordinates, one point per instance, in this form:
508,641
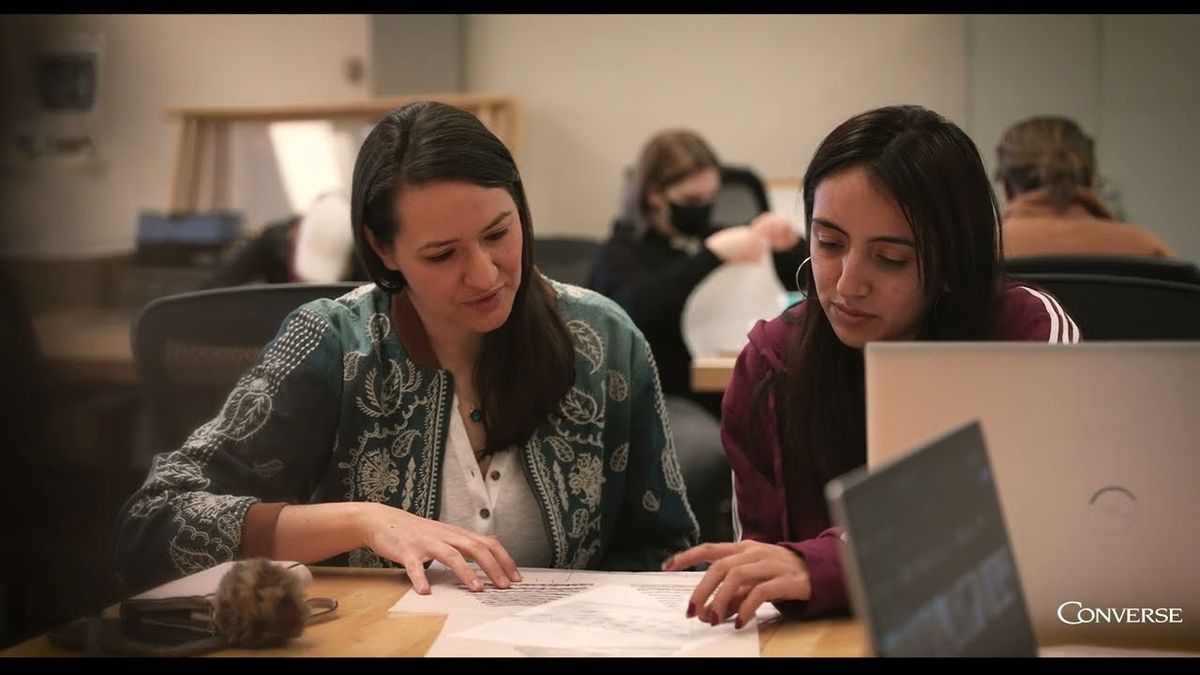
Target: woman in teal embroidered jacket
356,437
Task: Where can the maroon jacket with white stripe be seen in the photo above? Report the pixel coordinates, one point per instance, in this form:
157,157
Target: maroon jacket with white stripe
752,442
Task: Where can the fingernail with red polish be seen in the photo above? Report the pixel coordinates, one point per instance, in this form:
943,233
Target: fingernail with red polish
737,625
691,610
714,620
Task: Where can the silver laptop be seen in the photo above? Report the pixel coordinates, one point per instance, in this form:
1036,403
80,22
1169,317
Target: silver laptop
1096,453
928,564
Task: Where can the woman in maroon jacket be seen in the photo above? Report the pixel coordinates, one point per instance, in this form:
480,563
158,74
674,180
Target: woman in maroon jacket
903,239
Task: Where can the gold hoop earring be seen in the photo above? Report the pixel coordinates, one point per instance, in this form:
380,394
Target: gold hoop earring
799,286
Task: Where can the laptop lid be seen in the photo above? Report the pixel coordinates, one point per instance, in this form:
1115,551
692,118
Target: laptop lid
927,559
1096,453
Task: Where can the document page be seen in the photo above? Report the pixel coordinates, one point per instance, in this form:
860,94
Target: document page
566,612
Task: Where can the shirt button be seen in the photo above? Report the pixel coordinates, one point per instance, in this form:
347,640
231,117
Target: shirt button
495,475
484,513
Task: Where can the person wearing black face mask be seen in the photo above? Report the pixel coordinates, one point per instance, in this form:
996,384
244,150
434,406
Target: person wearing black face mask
691,220
663,245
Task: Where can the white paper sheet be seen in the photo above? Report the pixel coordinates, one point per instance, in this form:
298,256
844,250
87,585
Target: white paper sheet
448,595
723,308
565,612
612,619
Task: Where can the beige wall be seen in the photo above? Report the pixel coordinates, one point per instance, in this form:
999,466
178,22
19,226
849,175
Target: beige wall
416,53
1024,65
763,89
1149,141
154,61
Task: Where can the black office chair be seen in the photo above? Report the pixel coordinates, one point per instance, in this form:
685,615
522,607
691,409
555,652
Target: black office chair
742,196
1163,269
191,348
565,259
1125,308
705,468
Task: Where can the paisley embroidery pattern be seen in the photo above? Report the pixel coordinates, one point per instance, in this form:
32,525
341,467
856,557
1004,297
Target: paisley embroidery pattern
650,501
587,477
618,386
587,343
620,458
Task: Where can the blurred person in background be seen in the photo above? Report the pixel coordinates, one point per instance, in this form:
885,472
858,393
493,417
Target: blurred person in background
1046,167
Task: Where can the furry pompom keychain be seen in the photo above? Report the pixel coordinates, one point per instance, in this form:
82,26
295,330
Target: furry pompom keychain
259,604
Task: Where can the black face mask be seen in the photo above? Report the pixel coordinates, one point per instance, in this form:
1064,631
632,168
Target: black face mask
690,219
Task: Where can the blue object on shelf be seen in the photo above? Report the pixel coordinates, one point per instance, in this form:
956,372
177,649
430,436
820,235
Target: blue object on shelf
211,229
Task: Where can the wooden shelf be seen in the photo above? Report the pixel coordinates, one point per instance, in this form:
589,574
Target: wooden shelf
206,128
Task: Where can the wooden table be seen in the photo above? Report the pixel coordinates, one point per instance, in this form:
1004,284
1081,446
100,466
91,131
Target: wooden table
712,373
87,346
363,626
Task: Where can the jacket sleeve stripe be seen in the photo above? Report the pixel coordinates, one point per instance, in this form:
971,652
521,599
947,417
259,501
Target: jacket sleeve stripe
1070,333
1070,330
1055,334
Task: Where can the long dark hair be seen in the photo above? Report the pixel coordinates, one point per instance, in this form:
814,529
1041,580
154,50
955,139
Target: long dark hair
526,365
935,174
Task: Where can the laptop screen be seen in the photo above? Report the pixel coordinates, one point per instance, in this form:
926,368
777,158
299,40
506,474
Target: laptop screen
926,553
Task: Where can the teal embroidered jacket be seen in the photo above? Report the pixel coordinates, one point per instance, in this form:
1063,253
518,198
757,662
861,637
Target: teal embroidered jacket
336,410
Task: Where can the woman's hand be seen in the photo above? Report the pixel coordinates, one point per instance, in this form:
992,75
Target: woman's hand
737,244
744,575
777,230
413,541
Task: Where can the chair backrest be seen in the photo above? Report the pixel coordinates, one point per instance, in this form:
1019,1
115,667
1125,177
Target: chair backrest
742,196
1164,269
191,348
565,259
1125,308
